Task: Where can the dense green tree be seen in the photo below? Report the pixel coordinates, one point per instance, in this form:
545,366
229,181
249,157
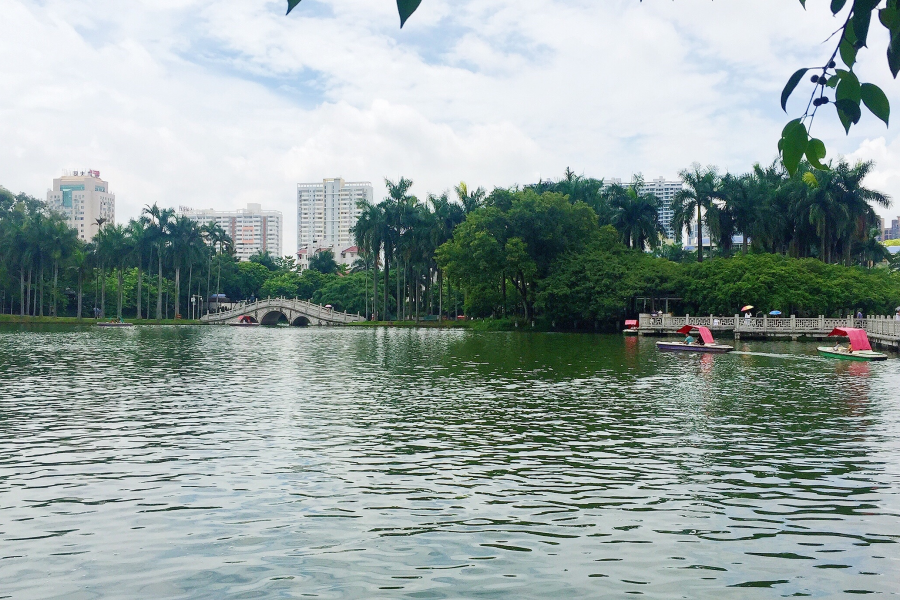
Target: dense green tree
323,262
635,214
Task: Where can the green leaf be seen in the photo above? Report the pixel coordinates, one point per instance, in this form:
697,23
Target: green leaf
893,54
848,53
848,88
837,5
862,16
848,112
291,5
876,101
803,3
890,18
789,87
794,140
406,8
815,152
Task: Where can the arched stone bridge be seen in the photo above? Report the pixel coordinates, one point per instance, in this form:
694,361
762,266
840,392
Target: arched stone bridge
269,312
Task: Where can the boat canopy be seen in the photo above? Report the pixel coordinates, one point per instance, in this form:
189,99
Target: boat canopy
631,324
858,338
705,333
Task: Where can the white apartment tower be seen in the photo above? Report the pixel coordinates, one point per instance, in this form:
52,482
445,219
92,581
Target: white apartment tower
325,214
253,229
83,199
665,191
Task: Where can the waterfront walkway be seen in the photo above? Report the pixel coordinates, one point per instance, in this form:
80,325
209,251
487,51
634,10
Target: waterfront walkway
882,330
296,312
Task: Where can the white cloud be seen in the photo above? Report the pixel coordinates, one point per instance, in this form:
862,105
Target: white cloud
219,104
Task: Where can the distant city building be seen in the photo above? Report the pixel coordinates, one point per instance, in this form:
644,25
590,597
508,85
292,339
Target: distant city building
892,232
325,214
84,200
665,191
253,229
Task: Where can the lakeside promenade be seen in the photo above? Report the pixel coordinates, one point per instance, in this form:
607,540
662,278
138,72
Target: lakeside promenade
882,330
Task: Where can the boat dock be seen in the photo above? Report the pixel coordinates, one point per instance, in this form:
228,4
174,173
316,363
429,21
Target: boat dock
882,330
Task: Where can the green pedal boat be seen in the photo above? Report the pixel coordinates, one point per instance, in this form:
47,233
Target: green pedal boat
859,348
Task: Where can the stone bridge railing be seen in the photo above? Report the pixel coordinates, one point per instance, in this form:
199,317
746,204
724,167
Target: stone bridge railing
880,328
295,310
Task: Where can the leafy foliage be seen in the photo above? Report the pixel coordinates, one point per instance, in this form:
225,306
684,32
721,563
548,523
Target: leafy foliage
849,94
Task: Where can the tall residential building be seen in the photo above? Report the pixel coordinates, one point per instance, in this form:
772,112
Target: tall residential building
83,199
892,232
325,214
665,191
253,229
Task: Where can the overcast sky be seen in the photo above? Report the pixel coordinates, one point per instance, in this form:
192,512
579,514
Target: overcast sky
213,104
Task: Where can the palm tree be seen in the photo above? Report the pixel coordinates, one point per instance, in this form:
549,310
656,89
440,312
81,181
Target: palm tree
702,186
447,215
185,240
470,201
159,220
60,243
636,215
113,245
141,244
368,233
857,200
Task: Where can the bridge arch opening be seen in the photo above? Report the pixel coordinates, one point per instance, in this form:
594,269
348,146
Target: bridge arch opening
275,317
300,321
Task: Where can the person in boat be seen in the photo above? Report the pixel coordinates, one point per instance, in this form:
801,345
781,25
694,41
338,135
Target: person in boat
689,339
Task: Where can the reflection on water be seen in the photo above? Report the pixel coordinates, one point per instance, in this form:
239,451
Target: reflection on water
347,463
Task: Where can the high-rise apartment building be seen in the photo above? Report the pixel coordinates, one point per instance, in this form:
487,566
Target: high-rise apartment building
665,191
325,214
84,200
253,229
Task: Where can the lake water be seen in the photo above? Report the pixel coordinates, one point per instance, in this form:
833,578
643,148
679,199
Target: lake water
222,462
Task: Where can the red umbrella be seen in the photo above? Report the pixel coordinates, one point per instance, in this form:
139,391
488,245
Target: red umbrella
746,308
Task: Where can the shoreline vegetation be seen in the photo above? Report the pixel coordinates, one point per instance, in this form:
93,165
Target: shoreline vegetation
573,254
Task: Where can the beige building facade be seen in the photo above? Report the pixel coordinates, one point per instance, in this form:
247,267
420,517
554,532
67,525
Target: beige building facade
84,200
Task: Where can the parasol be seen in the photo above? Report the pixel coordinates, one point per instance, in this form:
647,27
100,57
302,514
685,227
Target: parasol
774,313
746,308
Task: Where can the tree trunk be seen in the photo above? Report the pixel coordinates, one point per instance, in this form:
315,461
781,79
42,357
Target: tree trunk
55,287
159,285
208,277
699,233
387,283
102,292
177,291
41,287
119,293
23,302
139,286
188,305
80,290
29,309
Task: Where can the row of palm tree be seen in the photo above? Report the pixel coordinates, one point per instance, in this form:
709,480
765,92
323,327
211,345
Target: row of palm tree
402,233
37,244
827,214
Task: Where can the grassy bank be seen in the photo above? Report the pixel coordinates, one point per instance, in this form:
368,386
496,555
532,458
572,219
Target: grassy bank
86,321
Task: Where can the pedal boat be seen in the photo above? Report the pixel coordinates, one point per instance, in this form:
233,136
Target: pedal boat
859,342
631,327
244,321
706,343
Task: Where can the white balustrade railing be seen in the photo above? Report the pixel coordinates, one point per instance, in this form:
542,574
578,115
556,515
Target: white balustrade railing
307,308
882,326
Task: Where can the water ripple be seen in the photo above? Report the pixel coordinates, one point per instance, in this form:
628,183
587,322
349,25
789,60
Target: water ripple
198,462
